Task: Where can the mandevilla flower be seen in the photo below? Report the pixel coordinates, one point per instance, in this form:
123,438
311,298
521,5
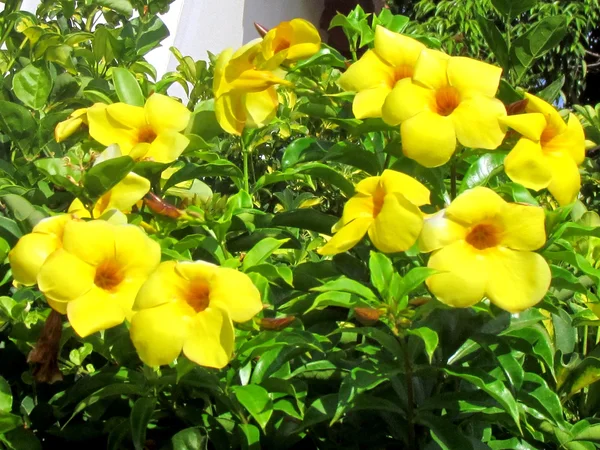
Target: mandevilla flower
549,152
448,99
289,41
190,306
33,249
483,246
244,95
97,273
122,197
152,132
385,207
376,73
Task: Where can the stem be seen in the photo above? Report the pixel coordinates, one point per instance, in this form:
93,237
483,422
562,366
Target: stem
245,157
410,413
14,58
585,340
453,180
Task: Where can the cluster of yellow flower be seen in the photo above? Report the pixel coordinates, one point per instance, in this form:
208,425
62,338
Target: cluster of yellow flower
244,83
101,273
482,245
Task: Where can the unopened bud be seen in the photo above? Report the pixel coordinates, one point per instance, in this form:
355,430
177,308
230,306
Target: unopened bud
262,31
367,316
516,107
275,324
158,206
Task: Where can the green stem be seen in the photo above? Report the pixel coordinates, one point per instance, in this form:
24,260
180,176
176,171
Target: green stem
410,396
14,58
245,157
453,180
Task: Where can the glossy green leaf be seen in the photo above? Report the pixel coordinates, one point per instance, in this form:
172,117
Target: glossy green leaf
127,87
33,84
381,269
429,337
482,170
6,398
257,402
512,8
121,6
103,176
261,251
189,439
141,413
494,40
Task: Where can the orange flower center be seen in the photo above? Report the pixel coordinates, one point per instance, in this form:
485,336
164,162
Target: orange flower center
378,198
548,134
198,295
108,275
280,45
446,99
483,236
402,71
146,135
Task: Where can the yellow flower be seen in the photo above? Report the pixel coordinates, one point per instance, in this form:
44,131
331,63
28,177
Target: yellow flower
447,99
376,73
289,41
549,152
33,249
385,207
97,273
67,127
244,95
483,246
190,306
122,197
151,132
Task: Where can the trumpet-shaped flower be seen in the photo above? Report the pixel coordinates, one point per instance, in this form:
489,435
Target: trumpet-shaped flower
122,197
484,246
448,99
27,257
244,95
152,132
190,306
385,207
97,273
376,73
289,41
67,127
549,151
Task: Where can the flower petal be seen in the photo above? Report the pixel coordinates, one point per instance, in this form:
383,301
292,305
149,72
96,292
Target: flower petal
305,40
94,311
572,141
464,276
107,131
397,226
530,125
439,231
526,164
162,286
359,205
27,257
475,205
524,227
566,180
406,100
427,148
473,76
397,49
136,253
128,192
400,183
78,209
476,122
347,237
369,72
167,147
516,280
64,277
234,292
166,114
158,333
261,107
127,115
431,69
53,225
537,105
231,113
92,242
211,338
368,103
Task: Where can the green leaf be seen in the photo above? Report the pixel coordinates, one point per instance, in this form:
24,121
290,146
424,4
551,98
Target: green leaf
62,55
494,40
303,150
482,170
250,437
121,6
329,175
411,281
381,269
102,177
257,401
492,386
444,432
537,41
22,210
355,156
18,123
33,84
348,285
127,87
9,422
512,8
326,56
150,34
261,251
218,168
429,337
203,121
6,398
306,219
190,439
141,413
551,92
